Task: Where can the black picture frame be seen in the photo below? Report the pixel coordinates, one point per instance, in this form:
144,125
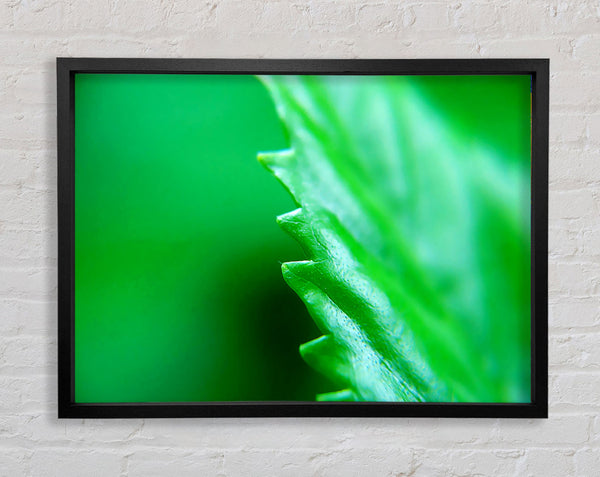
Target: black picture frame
538,68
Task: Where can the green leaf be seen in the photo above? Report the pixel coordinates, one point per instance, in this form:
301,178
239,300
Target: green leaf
417,240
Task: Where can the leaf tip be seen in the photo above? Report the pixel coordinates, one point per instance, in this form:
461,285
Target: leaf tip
291,218
342,395
315,347
274,160
296,270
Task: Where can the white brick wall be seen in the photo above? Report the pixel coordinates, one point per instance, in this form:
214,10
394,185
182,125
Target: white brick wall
33,33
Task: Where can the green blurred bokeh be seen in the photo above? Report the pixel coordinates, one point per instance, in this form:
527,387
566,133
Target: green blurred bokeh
178,288
179,295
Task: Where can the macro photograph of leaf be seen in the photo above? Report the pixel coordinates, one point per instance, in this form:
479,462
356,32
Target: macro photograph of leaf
302,238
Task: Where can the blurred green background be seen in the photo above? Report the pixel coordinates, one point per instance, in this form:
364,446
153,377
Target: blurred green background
179,295
178,288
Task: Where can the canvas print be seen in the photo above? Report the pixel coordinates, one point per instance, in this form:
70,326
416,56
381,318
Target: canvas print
302,238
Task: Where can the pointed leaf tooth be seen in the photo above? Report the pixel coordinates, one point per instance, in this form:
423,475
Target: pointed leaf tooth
298,225
294,223
275,159
282,165
342,395
324,312
310,280
305,270
321,345
328,357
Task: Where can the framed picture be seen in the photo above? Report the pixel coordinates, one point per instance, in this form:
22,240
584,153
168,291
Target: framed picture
302,237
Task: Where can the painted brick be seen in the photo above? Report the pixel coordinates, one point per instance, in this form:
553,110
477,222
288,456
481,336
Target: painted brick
190,463
585,49
28,208
575,351
471,17
593,129
558,49
574,279
586,94
587,461
27,355
33,33
431,16
26,316
380,17
576,389
573,204
572,313
559,430
575,166
565,128
548,462
15,463
564,241
429,462
85,15
74,462
23,395
42,15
